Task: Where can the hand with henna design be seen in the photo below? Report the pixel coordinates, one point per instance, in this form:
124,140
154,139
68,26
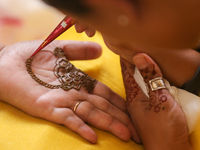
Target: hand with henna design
159,120
103,109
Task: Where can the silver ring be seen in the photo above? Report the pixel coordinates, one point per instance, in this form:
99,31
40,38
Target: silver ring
157,83
76,106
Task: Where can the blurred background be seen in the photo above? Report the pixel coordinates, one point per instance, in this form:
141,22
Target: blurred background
22,20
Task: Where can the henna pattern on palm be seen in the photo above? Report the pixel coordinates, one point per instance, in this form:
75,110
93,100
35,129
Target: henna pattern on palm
67,74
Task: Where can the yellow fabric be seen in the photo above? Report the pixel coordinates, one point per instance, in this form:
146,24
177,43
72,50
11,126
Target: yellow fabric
19,131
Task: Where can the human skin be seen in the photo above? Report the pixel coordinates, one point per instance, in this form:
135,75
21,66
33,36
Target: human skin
166,31
169,24
56,105
178,65
159,120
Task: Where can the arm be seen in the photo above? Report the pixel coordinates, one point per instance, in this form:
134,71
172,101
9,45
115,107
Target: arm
56,105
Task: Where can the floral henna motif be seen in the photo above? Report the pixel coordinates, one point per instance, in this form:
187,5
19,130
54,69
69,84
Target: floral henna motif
69,76
131,87
72,78
156,97
148,73
156,101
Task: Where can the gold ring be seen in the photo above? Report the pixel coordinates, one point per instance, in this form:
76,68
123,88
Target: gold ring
75,107
157,83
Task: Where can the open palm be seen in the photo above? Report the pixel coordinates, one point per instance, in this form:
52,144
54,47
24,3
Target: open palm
103,108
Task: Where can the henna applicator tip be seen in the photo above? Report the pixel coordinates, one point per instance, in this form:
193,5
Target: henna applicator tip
65,24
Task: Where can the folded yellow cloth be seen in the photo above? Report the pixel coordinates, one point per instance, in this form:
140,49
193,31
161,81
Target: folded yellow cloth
19,131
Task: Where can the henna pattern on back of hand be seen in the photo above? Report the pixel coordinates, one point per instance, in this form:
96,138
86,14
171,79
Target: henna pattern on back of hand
156,101
131,87
157,98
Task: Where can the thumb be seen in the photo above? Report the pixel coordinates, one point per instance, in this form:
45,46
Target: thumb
160,98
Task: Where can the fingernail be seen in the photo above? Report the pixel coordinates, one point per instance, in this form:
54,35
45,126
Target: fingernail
140,62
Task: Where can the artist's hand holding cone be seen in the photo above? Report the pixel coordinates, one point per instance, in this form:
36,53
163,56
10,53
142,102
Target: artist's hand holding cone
159,120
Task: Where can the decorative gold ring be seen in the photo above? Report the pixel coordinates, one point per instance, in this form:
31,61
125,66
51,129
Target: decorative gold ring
76,106
157,83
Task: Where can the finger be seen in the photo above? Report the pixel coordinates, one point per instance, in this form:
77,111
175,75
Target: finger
117,110
105,106
160,99
114,112
78,50
99,119
104,91
67,117
134,93
74,50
